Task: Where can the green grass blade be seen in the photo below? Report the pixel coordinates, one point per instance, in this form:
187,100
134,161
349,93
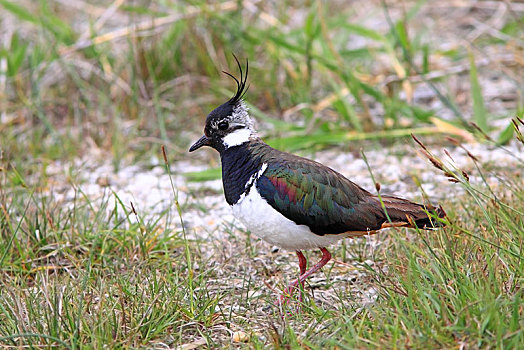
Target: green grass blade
479,109
19,11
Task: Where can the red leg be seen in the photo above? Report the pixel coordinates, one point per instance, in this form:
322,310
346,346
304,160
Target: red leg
326,256
302,263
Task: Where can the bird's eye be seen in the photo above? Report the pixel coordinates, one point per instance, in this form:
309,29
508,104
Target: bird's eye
223,125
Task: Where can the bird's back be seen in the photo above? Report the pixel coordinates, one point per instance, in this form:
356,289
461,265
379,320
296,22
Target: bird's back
312,194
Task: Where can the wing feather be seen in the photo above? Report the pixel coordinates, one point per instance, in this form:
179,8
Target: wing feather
311,194
318,197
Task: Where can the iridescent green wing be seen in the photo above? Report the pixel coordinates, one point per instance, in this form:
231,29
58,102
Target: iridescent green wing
310,194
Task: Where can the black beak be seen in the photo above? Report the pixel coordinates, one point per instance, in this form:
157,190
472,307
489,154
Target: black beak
203,141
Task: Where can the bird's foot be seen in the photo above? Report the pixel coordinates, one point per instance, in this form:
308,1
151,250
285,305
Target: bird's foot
288,296
288,292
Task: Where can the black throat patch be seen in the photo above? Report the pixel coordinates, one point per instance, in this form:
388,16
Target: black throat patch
238,165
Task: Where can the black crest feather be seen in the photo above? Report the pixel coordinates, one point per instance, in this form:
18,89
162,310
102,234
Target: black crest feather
241,85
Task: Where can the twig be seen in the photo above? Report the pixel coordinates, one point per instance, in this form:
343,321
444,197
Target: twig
462,68
149,24
488,5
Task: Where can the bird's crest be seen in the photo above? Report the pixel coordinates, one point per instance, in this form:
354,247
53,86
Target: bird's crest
241,85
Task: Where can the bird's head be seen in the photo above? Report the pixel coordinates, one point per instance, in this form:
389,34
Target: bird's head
229,124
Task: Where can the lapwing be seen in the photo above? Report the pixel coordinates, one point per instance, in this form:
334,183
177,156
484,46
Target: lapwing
293,202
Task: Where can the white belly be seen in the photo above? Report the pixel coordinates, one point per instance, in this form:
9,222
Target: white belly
265,222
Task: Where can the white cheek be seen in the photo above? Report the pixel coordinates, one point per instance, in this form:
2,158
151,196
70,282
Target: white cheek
236,138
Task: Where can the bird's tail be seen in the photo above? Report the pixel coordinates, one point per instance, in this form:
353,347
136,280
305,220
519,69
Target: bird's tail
402,212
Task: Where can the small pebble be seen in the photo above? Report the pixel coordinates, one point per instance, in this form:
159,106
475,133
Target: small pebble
102,181
240,337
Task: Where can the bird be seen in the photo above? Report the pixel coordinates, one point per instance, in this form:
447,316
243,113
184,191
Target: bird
293,202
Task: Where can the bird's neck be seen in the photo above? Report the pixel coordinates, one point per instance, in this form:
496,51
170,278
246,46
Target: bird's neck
239,164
